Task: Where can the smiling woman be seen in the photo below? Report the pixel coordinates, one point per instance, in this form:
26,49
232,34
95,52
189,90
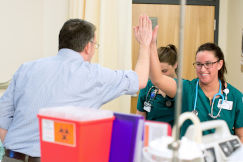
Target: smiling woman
209,95
212,55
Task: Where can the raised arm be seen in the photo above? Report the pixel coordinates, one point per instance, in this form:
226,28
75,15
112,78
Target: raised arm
163,82
143,34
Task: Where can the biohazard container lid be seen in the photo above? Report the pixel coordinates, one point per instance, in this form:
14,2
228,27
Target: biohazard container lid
75,113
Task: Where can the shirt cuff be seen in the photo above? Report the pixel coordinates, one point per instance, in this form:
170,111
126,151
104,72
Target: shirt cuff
133,82
5,122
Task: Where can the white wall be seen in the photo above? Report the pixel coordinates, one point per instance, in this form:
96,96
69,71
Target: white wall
234,36
223,20
21,34
55,13
29,30
230,28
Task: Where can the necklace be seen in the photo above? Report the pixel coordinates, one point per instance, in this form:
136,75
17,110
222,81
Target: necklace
209,95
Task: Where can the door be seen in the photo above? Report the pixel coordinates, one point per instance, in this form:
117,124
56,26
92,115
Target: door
198,29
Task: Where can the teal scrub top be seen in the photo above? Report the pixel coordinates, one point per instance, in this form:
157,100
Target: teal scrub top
159,110
1,150
233,118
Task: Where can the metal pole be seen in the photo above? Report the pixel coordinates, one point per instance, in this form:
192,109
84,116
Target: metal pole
175,145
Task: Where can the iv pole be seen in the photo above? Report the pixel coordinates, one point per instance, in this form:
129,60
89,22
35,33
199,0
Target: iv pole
175,144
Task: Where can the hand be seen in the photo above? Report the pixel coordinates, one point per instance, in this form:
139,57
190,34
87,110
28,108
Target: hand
143,32
154,34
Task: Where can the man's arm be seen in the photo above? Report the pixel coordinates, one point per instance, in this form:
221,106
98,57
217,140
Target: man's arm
7,108
143,34
3,133
163,82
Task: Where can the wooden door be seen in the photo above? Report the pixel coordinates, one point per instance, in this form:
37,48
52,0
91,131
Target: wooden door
199,28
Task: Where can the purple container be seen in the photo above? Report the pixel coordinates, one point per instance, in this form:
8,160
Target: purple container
127,138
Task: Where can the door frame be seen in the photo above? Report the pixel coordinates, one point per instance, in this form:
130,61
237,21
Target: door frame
189,2
214,3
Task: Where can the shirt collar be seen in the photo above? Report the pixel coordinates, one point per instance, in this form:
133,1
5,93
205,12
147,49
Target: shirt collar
69,53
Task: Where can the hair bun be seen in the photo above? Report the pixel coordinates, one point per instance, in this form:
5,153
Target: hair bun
171,46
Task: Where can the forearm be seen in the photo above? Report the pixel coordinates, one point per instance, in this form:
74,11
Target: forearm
163,82
241,139
141,113
142,66
3,133
155,74
239,133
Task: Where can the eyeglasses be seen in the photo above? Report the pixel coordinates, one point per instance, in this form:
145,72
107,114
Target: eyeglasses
207,65
97,45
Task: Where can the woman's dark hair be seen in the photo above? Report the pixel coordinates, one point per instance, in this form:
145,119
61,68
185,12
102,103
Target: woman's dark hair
168,54
217,53
76,34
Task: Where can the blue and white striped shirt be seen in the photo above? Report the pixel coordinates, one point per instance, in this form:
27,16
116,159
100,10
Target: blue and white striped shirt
65,79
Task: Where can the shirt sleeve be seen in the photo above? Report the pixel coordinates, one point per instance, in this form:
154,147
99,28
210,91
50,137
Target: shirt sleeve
114,83
239,111
7,106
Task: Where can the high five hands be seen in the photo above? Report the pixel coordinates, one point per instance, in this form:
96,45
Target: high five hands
143,32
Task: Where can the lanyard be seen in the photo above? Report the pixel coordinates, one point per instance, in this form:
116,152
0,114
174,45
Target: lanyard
153,94
214,97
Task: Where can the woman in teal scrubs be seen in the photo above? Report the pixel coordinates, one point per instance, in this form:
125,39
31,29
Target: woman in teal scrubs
209,95
153,104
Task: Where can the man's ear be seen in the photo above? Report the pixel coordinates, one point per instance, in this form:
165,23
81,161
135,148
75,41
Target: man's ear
87,48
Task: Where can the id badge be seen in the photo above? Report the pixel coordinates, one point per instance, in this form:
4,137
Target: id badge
147,106
227,105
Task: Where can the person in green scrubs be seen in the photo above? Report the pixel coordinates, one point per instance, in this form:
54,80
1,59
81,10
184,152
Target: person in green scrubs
209,96
154,104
